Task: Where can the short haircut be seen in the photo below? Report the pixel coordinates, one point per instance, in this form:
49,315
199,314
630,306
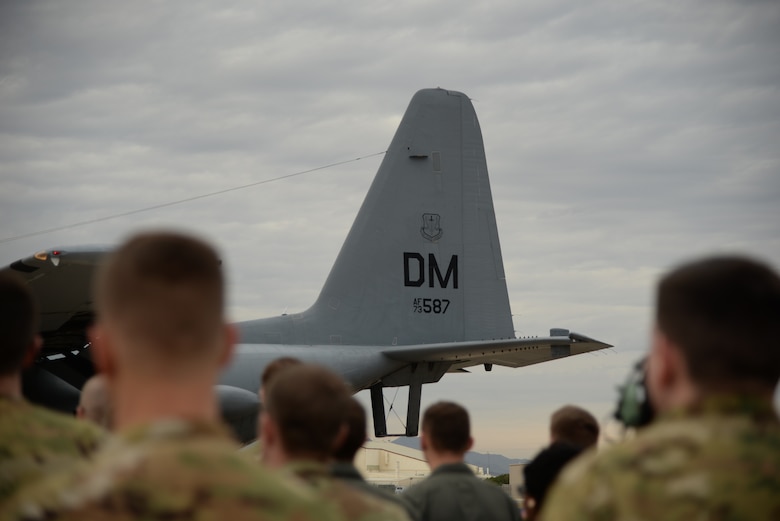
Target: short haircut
164,290
276,365
447,426
307,403
575,426
18,322
541,472
355,417
722,313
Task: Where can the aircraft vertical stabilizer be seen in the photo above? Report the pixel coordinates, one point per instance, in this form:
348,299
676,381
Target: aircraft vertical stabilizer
422,262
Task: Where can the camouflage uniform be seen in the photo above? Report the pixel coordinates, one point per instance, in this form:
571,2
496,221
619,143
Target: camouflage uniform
353,504
171,470
254,450
721,461
452,492
34,441
350,475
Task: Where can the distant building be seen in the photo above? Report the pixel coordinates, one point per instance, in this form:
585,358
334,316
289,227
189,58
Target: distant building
516,480
395,467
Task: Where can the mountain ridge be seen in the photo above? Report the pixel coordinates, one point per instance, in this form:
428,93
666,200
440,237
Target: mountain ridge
495,464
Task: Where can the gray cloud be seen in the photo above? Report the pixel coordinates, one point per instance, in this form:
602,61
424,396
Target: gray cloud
621,138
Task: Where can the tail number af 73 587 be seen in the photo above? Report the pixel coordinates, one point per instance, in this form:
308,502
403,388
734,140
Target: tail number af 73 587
415,274
430,305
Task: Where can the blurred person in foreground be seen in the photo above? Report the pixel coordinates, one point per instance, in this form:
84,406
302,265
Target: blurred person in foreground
302,423
541,473
271,370
95,402
572,430
343,458
452,491
161,340
713,451
33,441
574,426
255,448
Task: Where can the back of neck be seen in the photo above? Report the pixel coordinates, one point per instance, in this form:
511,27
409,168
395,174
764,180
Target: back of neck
139,404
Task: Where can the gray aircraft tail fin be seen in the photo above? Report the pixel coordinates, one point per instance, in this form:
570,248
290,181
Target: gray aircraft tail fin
422,262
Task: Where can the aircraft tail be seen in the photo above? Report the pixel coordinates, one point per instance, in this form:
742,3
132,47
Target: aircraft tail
422,262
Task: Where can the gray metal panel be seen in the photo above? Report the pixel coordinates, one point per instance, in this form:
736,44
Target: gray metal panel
429,204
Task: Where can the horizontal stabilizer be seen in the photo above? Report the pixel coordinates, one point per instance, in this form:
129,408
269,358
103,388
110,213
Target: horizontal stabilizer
517,352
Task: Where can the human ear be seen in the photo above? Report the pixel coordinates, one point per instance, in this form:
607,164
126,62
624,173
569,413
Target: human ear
32,351
101,350
228,346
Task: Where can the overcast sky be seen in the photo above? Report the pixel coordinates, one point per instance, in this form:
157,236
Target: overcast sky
621,136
